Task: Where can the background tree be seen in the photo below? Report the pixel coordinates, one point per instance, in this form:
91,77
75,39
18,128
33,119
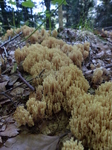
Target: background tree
104,14
76,12
60,17
48,19
25,13
4,16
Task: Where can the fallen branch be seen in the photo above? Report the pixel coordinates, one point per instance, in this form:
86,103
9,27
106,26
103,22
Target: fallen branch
9,40
20,76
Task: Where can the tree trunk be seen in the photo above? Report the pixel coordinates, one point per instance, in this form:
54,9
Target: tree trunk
25,13
48,19
5,22
60,16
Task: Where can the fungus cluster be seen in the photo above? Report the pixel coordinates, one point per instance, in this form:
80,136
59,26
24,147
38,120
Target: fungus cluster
38,36
64,88
72,145
91,120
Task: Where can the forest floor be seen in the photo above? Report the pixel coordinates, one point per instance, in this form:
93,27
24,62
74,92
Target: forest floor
13,91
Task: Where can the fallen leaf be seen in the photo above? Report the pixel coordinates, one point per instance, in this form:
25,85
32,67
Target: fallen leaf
0,139
4,78
3,101
17,91
31,142
12,79
100,54
2,86
3,127
11,130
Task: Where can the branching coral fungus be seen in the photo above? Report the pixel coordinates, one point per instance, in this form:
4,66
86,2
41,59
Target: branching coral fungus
52,42
72,145
63,87
35,111
23,117
39,58
36,108
97,76
81,117
21,55
84,49
38,36
104,89
76,53
60,73
57,87
91,118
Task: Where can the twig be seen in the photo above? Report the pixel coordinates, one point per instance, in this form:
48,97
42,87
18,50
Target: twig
3,93
108,66
22,83
30,86
9,40
41,72
6,70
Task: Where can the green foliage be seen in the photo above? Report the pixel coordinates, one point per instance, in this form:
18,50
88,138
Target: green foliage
28,4
76,12
87,25
54,2
12,2
104,14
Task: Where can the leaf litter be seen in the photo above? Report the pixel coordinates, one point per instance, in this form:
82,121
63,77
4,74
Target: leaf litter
31,142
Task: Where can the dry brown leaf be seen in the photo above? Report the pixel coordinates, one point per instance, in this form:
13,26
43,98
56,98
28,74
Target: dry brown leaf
2,86
31,142
11,130
12,79
4,78
100,54
3,100
17,91
3,127
0,139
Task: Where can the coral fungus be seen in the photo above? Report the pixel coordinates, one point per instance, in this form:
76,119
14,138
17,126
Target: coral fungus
35,111
36,108
72,145
38,36
97,76
23,117
64,88
76,53
91,118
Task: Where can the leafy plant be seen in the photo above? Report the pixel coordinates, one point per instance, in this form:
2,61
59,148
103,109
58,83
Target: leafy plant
87,25
54,2
28,4
62,2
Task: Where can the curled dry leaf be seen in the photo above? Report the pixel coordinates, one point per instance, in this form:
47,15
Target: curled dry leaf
0,140
2,86
31,142
4,78
11,130
17,91
12,79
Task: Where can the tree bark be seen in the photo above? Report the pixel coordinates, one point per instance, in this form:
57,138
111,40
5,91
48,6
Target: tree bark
5,22
48,19
60,16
